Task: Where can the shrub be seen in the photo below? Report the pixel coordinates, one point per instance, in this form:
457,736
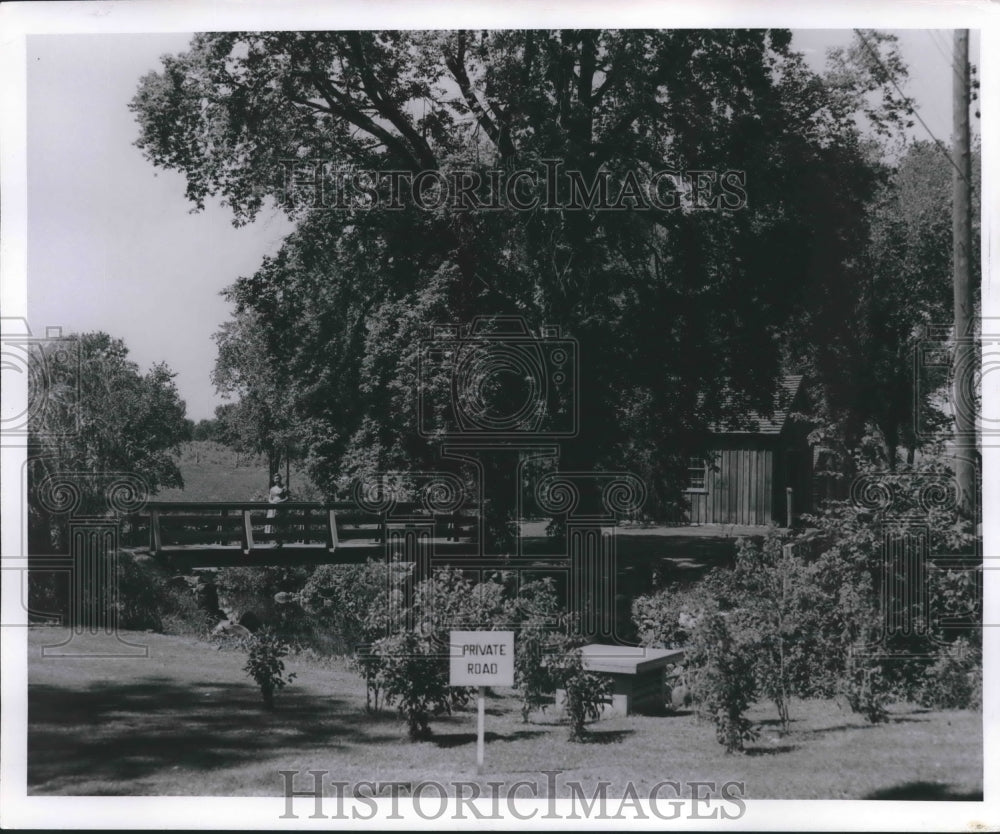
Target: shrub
414,676
532,675
265,651
664,618
147,600
724,681
954,679
586,692
864,686
850,567
355,605
449,600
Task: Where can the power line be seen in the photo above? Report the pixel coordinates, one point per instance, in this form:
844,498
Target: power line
909,103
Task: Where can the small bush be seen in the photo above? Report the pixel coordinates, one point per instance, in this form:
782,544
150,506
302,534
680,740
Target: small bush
536,614
586,692
414,676
954,679
265,651
724,681
866,690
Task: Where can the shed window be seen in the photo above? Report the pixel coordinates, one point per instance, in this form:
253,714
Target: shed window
697,474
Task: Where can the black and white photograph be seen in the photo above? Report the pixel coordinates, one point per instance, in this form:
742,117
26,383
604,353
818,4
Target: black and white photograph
431,416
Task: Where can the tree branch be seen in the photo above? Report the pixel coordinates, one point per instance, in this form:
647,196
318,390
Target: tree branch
387,108
456,66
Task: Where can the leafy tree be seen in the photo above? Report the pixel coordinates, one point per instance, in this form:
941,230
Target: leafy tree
205,430
101,418
875,392
259,421
342,308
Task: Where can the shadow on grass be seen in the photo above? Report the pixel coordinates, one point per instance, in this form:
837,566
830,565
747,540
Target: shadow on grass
122,732
926,791
770,751
664,712
606,736
460,739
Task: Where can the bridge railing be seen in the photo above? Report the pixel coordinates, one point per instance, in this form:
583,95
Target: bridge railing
248,526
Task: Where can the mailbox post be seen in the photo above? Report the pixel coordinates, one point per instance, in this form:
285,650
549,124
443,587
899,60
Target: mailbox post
481,659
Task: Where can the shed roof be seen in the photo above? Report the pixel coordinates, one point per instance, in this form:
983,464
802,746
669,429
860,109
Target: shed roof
758,423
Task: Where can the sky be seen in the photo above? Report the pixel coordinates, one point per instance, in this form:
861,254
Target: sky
112,242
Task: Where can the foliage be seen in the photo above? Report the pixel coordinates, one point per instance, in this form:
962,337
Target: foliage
954,680
724,682
664,618
142,594
871,656
410,665
253,589
356,601
586,692
414,676
865,687
108,428
265,651
777,611
536,613
360,604
259,421
206,430
342,308
448,600
874,389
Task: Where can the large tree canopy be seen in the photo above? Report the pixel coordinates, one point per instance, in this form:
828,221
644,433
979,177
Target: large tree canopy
103,435
682,316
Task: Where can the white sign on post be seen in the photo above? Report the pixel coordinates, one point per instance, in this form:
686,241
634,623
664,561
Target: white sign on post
481,658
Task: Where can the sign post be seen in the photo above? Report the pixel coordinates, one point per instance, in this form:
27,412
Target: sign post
481,659
481,731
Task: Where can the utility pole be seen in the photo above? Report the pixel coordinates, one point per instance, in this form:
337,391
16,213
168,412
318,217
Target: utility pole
966,353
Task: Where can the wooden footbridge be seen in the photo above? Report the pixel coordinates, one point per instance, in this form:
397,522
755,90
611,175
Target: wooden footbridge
224,534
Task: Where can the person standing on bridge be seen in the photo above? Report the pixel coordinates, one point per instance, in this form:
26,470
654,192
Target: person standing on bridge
278,494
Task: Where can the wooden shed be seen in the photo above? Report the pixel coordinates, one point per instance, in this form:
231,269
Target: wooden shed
746,479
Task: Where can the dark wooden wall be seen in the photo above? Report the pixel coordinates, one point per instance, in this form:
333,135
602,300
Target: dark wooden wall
740,488
747,483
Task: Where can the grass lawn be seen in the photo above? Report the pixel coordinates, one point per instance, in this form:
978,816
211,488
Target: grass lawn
186,720
213,472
